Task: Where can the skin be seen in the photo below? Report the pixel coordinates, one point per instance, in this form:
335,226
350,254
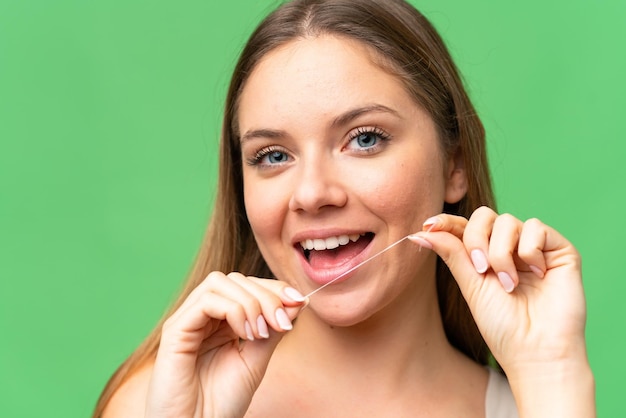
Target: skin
536,330
372,345
328,184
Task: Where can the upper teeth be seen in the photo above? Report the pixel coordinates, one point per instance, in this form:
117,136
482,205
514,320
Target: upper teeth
328,243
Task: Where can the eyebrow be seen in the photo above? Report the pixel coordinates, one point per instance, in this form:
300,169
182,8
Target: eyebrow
350,115
262,133
341,120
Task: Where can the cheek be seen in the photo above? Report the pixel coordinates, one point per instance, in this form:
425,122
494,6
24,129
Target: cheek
265,208
405,194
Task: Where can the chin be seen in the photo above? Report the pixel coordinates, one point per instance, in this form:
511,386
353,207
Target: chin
344,309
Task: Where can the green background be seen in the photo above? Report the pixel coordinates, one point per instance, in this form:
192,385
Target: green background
109,115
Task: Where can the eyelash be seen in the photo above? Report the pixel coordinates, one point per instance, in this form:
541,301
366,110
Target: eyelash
257,158
262,153
378,132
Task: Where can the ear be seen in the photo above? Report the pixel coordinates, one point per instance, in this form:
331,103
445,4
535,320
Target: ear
456,179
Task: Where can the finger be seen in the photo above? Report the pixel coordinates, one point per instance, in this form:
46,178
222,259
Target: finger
206,285
477,235
222,333
531,245
257,354
445,222
259,302
185,332
503,245
262,300
272,296
267,301
248,303
453,252
254,299
287,294
543,247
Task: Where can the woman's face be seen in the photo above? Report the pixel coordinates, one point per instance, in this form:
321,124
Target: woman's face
338,163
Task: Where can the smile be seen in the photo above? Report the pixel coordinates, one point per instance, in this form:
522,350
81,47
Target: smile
335,249
329,243
323,259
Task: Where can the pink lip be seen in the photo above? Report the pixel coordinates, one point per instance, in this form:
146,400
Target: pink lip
323,276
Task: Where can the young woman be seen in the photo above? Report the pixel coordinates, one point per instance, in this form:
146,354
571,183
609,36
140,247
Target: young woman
347,129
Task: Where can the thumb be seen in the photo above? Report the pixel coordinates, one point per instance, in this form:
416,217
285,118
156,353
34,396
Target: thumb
452,251
257,353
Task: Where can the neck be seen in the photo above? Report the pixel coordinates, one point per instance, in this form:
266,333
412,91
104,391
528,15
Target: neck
398,360
406,338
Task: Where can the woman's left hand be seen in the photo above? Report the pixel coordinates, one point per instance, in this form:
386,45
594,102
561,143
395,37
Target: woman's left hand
523,284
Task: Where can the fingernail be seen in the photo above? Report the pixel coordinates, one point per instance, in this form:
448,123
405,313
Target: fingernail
262,326
537,271
283,319
422,242
293,294
248,328
506,281
479,260
431,222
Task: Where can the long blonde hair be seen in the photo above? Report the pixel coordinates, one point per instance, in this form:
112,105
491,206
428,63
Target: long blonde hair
410,47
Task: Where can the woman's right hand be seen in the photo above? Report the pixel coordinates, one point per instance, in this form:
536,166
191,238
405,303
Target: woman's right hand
215,348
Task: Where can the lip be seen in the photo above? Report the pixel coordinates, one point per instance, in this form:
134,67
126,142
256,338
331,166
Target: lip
323,276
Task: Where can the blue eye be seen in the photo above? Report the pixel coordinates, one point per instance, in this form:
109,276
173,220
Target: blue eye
276,157
270,156
367,139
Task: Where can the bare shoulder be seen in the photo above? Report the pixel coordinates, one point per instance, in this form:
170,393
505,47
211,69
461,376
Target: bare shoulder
129,400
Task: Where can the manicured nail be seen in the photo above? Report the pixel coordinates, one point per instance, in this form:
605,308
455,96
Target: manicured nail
431,222
262,327
479,260
538,272
293,294
421,241
283,319
248,328
506,281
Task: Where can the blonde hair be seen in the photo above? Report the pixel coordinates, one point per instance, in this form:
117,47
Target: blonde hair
410,47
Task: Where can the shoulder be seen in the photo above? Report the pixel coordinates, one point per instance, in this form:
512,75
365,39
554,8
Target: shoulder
130,398
499,402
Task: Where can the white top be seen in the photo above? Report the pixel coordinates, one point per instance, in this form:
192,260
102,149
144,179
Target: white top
499,401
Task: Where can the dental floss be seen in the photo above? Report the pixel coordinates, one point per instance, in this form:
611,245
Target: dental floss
356,267
363,262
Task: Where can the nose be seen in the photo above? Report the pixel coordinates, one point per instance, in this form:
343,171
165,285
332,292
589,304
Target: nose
317,186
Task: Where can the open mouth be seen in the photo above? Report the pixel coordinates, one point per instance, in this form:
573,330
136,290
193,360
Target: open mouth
334,251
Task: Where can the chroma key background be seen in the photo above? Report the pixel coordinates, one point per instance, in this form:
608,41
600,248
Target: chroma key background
109,119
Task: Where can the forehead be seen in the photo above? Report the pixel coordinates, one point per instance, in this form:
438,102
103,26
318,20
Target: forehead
320,76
